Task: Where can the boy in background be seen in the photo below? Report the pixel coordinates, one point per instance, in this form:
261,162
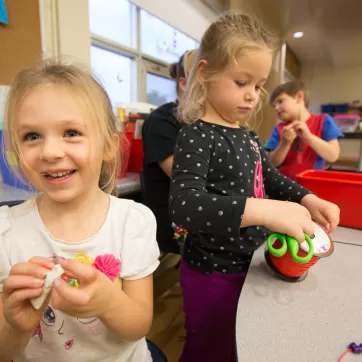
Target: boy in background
301,141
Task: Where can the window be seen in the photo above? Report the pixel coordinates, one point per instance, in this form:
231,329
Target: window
162,41
114,20
160,90
131,52
115,73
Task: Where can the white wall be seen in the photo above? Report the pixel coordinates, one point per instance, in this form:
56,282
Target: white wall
189,16
333,85
65,29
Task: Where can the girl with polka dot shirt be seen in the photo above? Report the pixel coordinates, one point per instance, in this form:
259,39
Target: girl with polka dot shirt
221,176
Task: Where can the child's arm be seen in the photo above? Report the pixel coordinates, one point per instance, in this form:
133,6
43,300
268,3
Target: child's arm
329,151
279,155
130,311
278,186
18,285
327,147
127,312
197,210
191,205
12,342
280,147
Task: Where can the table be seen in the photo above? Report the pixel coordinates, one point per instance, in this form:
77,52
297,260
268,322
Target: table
313,320
124,186
347,236
128,185
356,136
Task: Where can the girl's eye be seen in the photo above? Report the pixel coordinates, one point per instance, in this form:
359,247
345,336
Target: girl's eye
240,84
31,136
258,87
72,133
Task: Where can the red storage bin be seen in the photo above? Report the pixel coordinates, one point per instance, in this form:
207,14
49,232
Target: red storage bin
125,152
341,188
136,156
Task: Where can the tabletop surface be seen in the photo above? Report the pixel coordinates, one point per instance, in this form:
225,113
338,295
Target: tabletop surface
311,321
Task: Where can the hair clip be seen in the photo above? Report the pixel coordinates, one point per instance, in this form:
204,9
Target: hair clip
352,348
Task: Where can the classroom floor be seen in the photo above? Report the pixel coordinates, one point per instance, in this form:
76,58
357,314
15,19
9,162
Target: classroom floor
168,324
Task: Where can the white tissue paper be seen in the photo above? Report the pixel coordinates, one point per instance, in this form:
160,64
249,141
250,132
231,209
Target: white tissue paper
51,275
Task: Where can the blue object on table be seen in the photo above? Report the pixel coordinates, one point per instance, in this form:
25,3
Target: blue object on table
327,108
3,13
156,354
6,175
341,108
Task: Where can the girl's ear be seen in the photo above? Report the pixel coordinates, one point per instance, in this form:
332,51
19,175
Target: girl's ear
182,83
200,70
111,150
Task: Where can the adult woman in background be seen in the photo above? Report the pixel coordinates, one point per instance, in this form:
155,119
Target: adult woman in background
159,134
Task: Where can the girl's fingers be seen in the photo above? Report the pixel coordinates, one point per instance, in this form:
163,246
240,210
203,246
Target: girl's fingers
77,270
63,291
321,220
45,262
29,269
19,296
21,282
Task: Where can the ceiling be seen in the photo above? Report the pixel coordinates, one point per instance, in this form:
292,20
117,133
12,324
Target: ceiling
332,28
332,31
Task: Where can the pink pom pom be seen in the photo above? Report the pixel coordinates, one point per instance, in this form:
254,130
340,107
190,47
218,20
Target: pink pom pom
108,265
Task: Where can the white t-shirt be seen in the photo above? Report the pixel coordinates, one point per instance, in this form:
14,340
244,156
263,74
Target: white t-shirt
128,233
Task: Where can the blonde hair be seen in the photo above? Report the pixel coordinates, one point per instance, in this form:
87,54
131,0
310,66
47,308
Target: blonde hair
226,39
189,58
85,89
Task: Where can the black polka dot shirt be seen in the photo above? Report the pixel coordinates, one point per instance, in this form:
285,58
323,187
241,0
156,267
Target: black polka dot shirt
215,170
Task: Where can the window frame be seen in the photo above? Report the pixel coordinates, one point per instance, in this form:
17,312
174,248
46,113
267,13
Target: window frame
143,63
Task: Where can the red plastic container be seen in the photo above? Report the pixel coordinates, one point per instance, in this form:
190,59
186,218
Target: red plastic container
125,152
341,188
136,156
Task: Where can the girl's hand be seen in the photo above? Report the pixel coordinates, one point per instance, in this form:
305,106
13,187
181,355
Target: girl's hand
323,212
24,282
287,218
92,297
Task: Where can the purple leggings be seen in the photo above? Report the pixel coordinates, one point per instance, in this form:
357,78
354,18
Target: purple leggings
210,304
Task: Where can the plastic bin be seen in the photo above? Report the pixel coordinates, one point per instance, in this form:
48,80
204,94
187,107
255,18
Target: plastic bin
327,108
136,156
341,188
125,151
341,108
347,122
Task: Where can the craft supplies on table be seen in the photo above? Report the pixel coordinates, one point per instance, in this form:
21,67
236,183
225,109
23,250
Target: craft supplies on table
290,260
352,348
321,314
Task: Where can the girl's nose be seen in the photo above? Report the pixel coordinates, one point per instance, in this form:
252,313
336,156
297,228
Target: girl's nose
52,149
